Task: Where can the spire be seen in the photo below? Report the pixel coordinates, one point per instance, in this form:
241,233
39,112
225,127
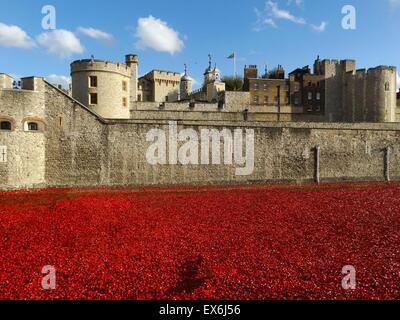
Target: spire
209,60
185,77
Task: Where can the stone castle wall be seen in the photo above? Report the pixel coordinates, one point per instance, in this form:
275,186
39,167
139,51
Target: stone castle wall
25,164
359,95
79,148
6,81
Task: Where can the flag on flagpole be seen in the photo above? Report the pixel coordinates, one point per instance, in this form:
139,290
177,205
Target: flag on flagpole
233,56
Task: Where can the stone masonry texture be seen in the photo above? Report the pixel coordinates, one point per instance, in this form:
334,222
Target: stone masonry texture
79,148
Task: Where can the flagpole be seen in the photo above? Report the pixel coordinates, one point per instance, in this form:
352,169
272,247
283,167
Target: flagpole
234,64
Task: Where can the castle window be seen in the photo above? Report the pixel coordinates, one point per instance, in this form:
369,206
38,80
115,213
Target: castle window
124,102
5,125
287,100
309,83
387,86
276,100
256,86
256,99
33,126
318,108
318,96
93,82
287,87
309,95
297,87
93,98
296,101
124,86
266,87
266,100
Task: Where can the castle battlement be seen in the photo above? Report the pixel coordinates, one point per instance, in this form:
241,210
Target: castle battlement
331,62
89,65
382,68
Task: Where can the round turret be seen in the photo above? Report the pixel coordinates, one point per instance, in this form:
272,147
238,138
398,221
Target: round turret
381,94
185,85
103,86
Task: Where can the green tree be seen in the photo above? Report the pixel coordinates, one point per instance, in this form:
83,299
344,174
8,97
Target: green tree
233,83
272,74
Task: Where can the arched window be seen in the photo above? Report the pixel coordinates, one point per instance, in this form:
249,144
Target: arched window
5,125
33,126
387,86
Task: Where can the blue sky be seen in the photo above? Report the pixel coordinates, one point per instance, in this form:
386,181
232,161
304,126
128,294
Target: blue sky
167,34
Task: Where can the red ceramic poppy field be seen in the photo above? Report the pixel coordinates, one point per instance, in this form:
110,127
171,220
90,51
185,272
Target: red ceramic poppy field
244,242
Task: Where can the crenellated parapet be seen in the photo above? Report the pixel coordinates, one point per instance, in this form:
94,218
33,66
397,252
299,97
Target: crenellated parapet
89,65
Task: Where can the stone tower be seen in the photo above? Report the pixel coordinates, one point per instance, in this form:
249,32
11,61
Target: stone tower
132,61
381,94
104,86
211,74
185,85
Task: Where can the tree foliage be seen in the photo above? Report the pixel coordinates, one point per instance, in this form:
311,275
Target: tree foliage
233,83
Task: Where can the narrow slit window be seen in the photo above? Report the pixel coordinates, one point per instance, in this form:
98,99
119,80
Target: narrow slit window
93,82
93,99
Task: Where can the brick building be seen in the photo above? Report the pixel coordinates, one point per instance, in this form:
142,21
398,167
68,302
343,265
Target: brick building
272,89
335,90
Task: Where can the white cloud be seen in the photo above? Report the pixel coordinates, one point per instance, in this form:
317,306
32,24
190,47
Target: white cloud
14,37
278,13
272,12
270,22
61,42
156,34
394,3
321,27
102,36
298,3
62,80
